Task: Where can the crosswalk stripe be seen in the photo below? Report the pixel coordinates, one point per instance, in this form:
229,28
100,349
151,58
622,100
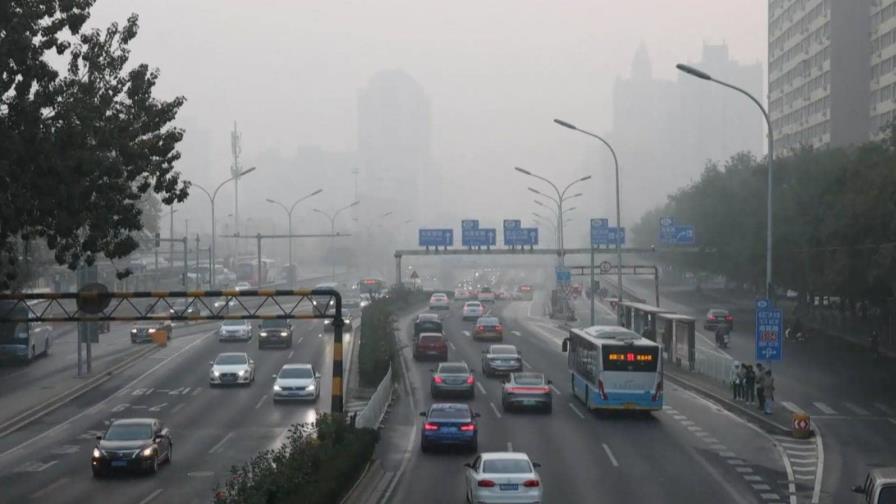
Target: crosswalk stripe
792,407
856,409
797,476
825,408
886,409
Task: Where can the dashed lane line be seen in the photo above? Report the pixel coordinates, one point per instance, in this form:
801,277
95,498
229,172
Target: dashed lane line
495,409
481,388
856,409
886,409
260,401
151,496
178,407
515,333
792,407
557,391
610,455
221,442
525,363
452,345
892,420
40,494
827,410
576,411
291,352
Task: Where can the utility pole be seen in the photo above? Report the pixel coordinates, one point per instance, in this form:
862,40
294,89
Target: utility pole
171,236
235,170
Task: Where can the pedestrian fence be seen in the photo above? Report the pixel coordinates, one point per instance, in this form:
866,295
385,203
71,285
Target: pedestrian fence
715,365
372,414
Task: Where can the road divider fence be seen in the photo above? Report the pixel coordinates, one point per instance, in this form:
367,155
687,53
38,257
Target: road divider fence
372,415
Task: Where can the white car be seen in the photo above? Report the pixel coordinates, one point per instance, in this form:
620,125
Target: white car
472,310
235,330
232,369
296,381
439,301
506,477
242,286
486,295
461,294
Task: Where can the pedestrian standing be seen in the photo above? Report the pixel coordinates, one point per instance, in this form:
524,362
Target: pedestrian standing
739,391
749,383
760,380
735,377
768,386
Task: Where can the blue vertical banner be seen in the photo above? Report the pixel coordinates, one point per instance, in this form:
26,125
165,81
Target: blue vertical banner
769,331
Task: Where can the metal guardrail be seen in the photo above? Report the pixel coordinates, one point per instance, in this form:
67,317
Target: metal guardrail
715,365
372,414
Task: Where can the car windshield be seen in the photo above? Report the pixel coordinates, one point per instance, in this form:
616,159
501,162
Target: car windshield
231,359
718,313
474,305
430,338
273,324
506,466
887,495
453,369
503,350
489,321
427,317
233,323
455,413
128,432
529,379
296,372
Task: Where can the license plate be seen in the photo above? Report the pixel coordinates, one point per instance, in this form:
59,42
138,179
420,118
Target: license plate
450,429
508,486
529,403
629,405
119,463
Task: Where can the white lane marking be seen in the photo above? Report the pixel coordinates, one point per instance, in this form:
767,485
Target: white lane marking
744,469
727,454
693,428
735,461
151,496
481,388
221,442
197,391
84,412
452,345
799,476
49,488
892,420
770,496
260,401
576,411
801,453
752,477
687,422
558,392
883,407
178,407
825,408
798,460
509,446
495,409
610,455
711,440
856,409
792,407
290,354
300,339
679,417
760,486
527,364
819,473
810,468
467,333
515,333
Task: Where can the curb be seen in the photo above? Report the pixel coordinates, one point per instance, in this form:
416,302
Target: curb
350,494
9,426
766,424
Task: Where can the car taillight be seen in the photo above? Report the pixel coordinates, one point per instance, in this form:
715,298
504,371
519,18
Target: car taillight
430,426
470,380
600,389
468,427
486,483
729,317
480,328
531,483
712,317
499,328
658,391
437,379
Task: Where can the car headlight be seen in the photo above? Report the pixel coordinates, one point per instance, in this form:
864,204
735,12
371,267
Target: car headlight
277,388
284,333
244,372
152,331
310,387
133,331
263,334
149,451
215,374
97,453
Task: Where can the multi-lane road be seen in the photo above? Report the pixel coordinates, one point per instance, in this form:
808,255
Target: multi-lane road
692,451
48,461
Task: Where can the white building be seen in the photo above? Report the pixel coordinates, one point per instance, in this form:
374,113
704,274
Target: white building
883,65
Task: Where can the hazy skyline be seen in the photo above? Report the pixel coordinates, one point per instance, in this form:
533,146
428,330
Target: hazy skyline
496,73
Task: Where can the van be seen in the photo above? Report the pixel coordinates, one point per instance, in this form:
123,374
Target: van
879,487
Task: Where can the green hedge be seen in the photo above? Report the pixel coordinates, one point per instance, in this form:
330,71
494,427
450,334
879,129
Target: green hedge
306,469
377,347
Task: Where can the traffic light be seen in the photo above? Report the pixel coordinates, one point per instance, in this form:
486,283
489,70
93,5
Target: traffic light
158,240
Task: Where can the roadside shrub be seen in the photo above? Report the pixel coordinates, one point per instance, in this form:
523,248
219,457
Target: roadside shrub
316,465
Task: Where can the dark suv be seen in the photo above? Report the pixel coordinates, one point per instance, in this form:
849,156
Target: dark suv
135,444
275,332
427,323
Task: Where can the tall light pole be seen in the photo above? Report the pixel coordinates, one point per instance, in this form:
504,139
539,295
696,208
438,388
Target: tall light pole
211,198
171,236
289,211
332,219
561,197
618,211
770,159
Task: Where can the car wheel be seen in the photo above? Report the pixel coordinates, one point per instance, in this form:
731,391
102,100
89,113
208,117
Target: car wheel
170,455
155,465
97,473
424,448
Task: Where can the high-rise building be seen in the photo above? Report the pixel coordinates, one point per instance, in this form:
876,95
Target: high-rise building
883,65
818,72
394,146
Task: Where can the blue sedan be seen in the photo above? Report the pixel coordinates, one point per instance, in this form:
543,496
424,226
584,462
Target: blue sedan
449,424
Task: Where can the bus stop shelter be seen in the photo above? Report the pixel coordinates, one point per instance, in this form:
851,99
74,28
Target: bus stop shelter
641,317
677,335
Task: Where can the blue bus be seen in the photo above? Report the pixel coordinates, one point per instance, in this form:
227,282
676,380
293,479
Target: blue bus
613,368
22,342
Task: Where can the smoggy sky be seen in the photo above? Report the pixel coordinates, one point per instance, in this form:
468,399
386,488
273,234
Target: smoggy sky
496,72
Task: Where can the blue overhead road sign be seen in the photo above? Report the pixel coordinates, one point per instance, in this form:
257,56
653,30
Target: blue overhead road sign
511,224
599,231
564,276
683,234
436,237
520,237
478,237
469,224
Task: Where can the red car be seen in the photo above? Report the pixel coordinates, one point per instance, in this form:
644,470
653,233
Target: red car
431,346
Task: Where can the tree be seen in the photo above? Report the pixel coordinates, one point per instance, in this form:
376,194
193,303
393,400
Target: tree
79,151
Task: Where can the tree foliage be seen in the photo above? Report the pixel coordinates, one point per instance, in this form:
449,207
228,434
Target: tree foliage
834,220
79,149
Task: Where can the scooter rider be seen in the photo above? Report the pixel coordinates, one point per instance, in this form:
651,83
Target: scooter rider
722,333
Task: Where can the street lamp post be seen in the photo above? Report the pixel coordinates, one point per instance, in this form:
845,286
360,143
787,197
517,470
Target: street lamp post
561,197
332,219
770,159
289,211
211,198
618,211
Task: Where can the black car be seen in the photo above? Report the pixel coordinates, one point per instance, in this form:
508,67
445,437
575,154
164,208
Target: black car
501,359
135,444
427,323
275,332
184,308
